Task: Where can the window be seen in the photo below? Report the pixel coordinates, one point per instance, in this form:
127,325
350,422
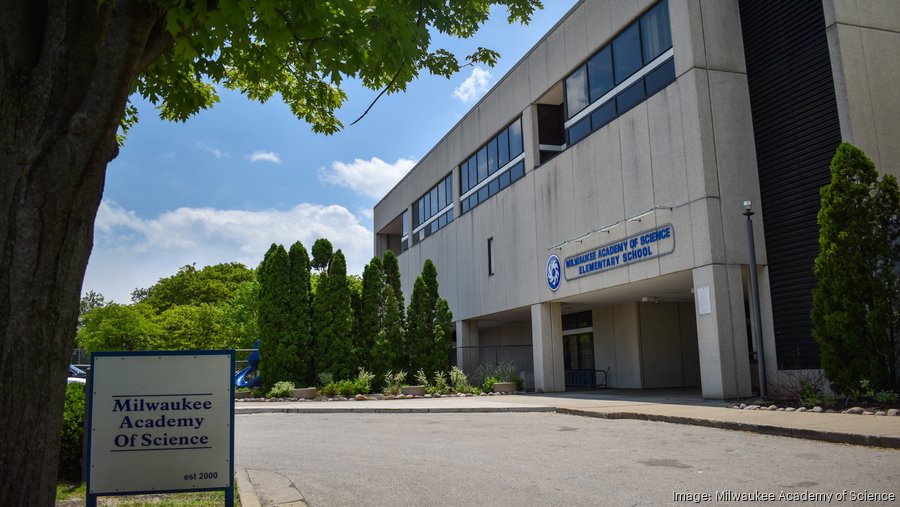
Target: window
488,170
404,227
490,256
639,57
577,91
627,53
600,74
434,210
656,35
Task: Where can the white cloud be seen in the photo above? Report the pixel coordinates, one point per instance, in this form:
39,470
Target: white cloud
264,156
369,178
478,82
131,251
213,150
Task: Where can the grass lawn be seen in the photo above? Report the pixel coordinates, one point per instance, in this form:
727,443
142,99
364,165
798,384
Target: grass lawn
72,495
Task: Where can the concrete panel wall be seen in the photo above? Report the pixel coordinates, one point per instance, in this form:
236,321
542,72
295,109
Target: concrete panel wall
504,343
864,41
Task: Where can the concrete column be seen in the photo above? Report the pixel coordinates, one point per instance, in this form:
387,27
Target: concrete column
547,347
722,332
466,345
530,137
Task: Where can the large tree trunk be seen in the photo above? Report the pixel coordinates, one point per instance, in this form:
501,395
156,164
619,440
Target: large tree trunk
66,69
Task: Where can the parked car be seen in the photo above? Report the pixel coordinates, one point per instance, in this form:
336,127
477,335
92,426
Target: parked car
76,375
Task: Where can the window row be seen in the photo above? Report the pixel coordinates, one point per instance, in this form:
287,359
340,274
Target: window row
434,226
505,179
635,47
433,202
645,87
492,156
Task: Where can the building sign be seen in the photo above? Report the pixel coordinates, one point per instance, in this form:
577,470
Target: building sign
160,422
636,248
553,273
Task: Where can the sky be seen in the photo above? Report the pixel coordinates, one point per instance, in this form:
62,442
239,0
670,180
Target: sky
229,182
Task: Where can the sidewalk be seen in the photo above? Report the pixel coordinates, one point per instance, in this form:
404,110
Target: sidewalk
675,407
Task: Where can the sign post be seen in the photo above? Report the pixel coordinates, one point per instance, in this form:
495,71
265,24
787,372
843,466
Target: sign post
160,422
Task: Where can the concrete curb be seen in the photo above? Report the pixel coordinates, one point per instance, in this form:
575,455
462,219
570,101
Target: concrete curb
246,491
392,410
765,429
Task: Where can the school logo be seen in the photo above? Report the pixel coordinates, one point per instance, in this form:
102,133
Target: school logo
553,272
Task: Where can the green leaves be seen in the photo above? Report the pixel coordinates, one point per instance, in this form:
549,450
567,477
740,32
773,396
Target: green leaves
304,50
855,305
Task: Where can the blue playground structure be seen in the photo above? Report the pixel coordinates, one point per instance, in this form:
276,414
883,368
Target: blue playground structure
249,376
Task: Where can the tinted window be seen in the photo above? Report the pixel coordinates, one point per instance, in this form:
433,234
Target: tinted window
504,179
441,196
655,31
483,194
473,171
482,163
465,205
517,171
603,115
578,131
492,156
576,91
600,74
503,148
464,177
515,139
661,77
631,97
494,186
627,53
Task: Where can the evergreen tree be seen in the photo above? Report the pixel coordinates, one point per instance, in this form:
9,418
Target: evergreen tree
439,357
388,353
274,323
420,327
321,254
392,278
429,276
300,313
370,314
855,304
333,322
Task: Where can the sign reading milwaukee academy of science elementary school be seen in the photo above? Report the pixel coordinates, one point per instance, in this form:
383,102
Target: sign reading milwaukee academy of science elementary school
160,422
639,247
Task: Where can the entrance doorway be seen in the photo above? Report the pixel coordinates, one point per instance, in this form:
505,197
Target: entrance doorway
578,350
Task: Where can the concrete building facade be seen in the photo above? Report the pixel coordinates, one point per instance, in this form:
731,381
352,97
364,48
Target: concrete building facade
586,216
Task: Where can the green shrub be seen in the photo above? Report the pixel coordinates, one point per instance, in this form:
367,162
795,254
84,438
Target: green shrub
329,390
345,388
363,382
489,384
440,384
71,441
520,384
459,381
393,382
886,397
421,378
281,389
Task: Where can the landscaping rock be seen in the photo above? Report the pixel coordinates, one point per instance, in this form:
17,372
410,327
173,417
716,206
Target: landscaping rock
483,394
868,413
360,397
830,411
780,409
880,412
772,407
428,396
818,409
855,410
790,409
893,412
751,407
743,406
801,409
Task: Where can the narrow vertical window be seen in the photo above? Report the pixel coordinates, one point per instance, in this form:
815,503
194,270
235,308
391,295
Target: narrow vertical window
490,256
515,139
627,53
576,91
656,33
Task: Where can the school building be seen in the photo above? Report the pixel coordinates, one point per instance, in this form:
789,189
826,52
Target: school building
587,215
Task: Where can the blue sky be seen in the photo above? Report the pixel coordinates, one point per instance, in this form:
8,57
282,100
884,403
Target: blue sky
230,181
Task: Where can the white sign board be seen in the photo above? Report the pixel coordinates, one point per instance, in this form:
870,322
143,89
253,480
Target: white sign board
639,247
703,303
161,422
